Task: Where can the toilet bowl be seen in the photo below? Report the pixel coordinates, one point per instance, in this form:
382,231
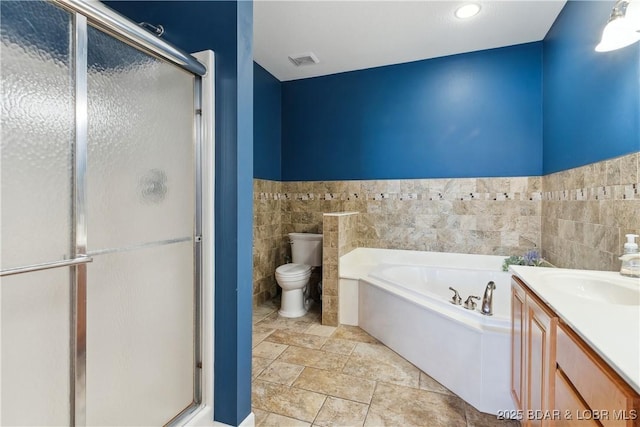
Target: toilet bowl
293,279
306,252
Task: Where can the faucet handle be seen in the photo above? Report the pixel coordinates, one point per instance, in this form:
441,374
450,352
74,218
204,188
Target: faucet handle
470,304
455,299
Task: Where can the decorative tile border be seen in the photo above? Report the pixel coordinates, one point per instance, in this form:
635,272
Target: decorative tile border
607,192
432,196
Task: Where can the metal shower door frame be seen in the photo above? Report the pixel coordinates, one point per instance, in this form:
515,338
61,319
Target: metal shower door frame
78,371
111,23
105,20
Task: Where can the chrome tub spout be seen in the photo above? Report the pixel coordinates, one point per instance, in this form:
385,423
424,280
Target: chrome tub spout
487,299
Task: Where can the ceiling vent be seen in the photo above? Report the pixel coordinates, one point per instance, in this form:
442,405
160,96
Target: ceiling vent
307,58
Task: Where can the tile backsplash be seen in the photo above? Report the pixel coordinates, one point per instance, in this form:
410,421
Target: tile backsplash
577,217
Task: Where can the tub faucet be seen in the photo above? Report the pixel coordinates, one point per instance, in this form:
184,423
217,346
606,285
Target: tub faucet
487,299
455,299
470,304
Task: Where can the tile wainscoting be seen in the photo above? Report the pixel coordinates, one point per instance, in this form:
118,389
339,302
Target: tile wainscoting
484,215
467,215
340,232
269,244
578,217
586,212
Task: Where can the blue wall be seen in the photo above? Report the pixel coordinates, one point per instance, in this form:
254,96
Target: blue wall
267,126
225,27
591,99
521,110
472,115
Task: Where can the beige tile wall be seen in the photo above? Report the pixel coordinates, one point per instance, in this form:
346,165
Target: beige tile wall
578,217
586,212
268,250
468,215
340,236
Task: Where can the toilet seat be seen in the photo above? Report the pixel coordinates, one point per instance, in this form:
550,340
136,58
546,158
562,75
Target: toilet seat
293,270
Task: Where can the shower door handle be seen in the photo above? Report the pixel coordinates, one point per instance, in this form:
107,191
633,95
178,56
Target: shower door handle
46,266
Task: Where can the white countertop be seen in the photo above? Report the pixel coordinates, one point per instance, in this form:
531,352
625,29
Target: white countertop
606,319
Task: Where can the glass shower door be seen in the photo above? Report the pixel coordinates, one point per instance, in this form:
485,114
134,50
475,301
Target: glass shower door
140,209
98,194
36,135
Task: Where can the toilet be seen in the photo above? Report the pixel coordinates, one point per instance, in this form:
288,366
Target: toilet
293,278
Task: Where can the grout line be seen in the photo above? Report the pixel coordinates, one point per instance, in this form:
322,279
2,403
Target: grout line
290,417
297,376
319,410
263,369
466,420
369,406
335,396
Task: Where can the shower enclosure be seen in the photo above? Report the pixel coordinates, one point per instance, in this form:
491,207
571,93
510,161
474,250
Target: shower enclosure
100,293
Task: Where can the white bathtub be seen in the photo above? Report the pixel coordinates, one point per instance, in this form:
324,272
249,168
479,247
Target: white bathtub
402,298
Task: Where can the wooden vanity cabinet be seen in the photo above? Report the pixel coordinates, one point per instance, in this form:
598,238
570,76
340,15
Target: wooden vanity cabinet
591,391
533,339
556,378
518,361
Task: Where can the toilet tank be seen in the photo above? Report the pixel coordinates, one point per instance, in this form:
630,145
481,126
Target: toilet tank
306,248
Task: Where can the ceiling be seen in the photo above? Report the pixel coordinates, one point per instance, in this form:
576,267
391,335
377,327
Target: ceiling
352,35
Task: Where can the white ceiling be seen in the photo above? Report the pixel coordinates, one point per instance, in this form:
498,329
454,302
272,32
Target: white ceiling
352,35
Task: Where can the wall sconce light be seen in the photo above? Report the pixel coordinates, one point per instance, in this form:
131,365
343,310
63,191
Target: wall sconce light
623,27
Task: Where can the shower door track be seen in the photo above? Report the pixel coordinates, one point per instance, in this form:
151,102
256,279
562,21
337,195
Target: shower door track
110,22
132,34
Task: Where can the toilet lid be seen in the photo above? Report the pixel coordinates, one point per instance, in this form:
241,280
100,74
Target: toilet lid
293,269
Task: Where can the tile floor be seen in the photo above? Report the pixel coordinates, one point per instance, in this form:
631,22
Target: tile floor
307,374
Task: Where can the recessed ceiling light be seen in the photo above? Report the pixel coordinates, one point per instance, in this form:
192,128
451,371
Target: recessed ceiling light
467,11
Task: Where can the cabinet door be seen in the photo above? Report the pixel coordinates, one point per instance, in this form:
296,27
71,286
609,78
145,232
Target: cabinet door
540,357
601,391
569,405
517,344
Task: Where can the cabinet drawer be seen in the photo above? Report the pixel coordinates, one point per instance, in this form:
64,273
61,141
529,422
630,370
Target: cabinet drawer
598,386
570,406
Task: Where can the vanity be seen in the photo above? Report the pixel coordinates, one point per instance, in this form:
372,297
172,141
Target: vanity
575,348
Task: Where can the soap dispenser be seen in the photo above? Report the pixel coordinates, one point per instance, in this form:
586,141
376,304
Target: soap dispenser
631,257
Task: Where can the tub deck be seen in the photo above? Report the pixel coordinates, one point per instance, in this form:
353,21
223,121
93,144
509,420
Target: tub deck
467,352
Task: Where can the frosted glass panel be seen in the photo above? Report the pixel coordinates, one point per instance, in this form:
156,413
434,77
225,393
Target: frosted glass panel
140,189
36,132
140,167
35,348
140,336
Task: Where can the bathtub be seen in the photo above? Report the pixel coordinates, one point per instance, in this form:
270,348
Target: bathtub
402,298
